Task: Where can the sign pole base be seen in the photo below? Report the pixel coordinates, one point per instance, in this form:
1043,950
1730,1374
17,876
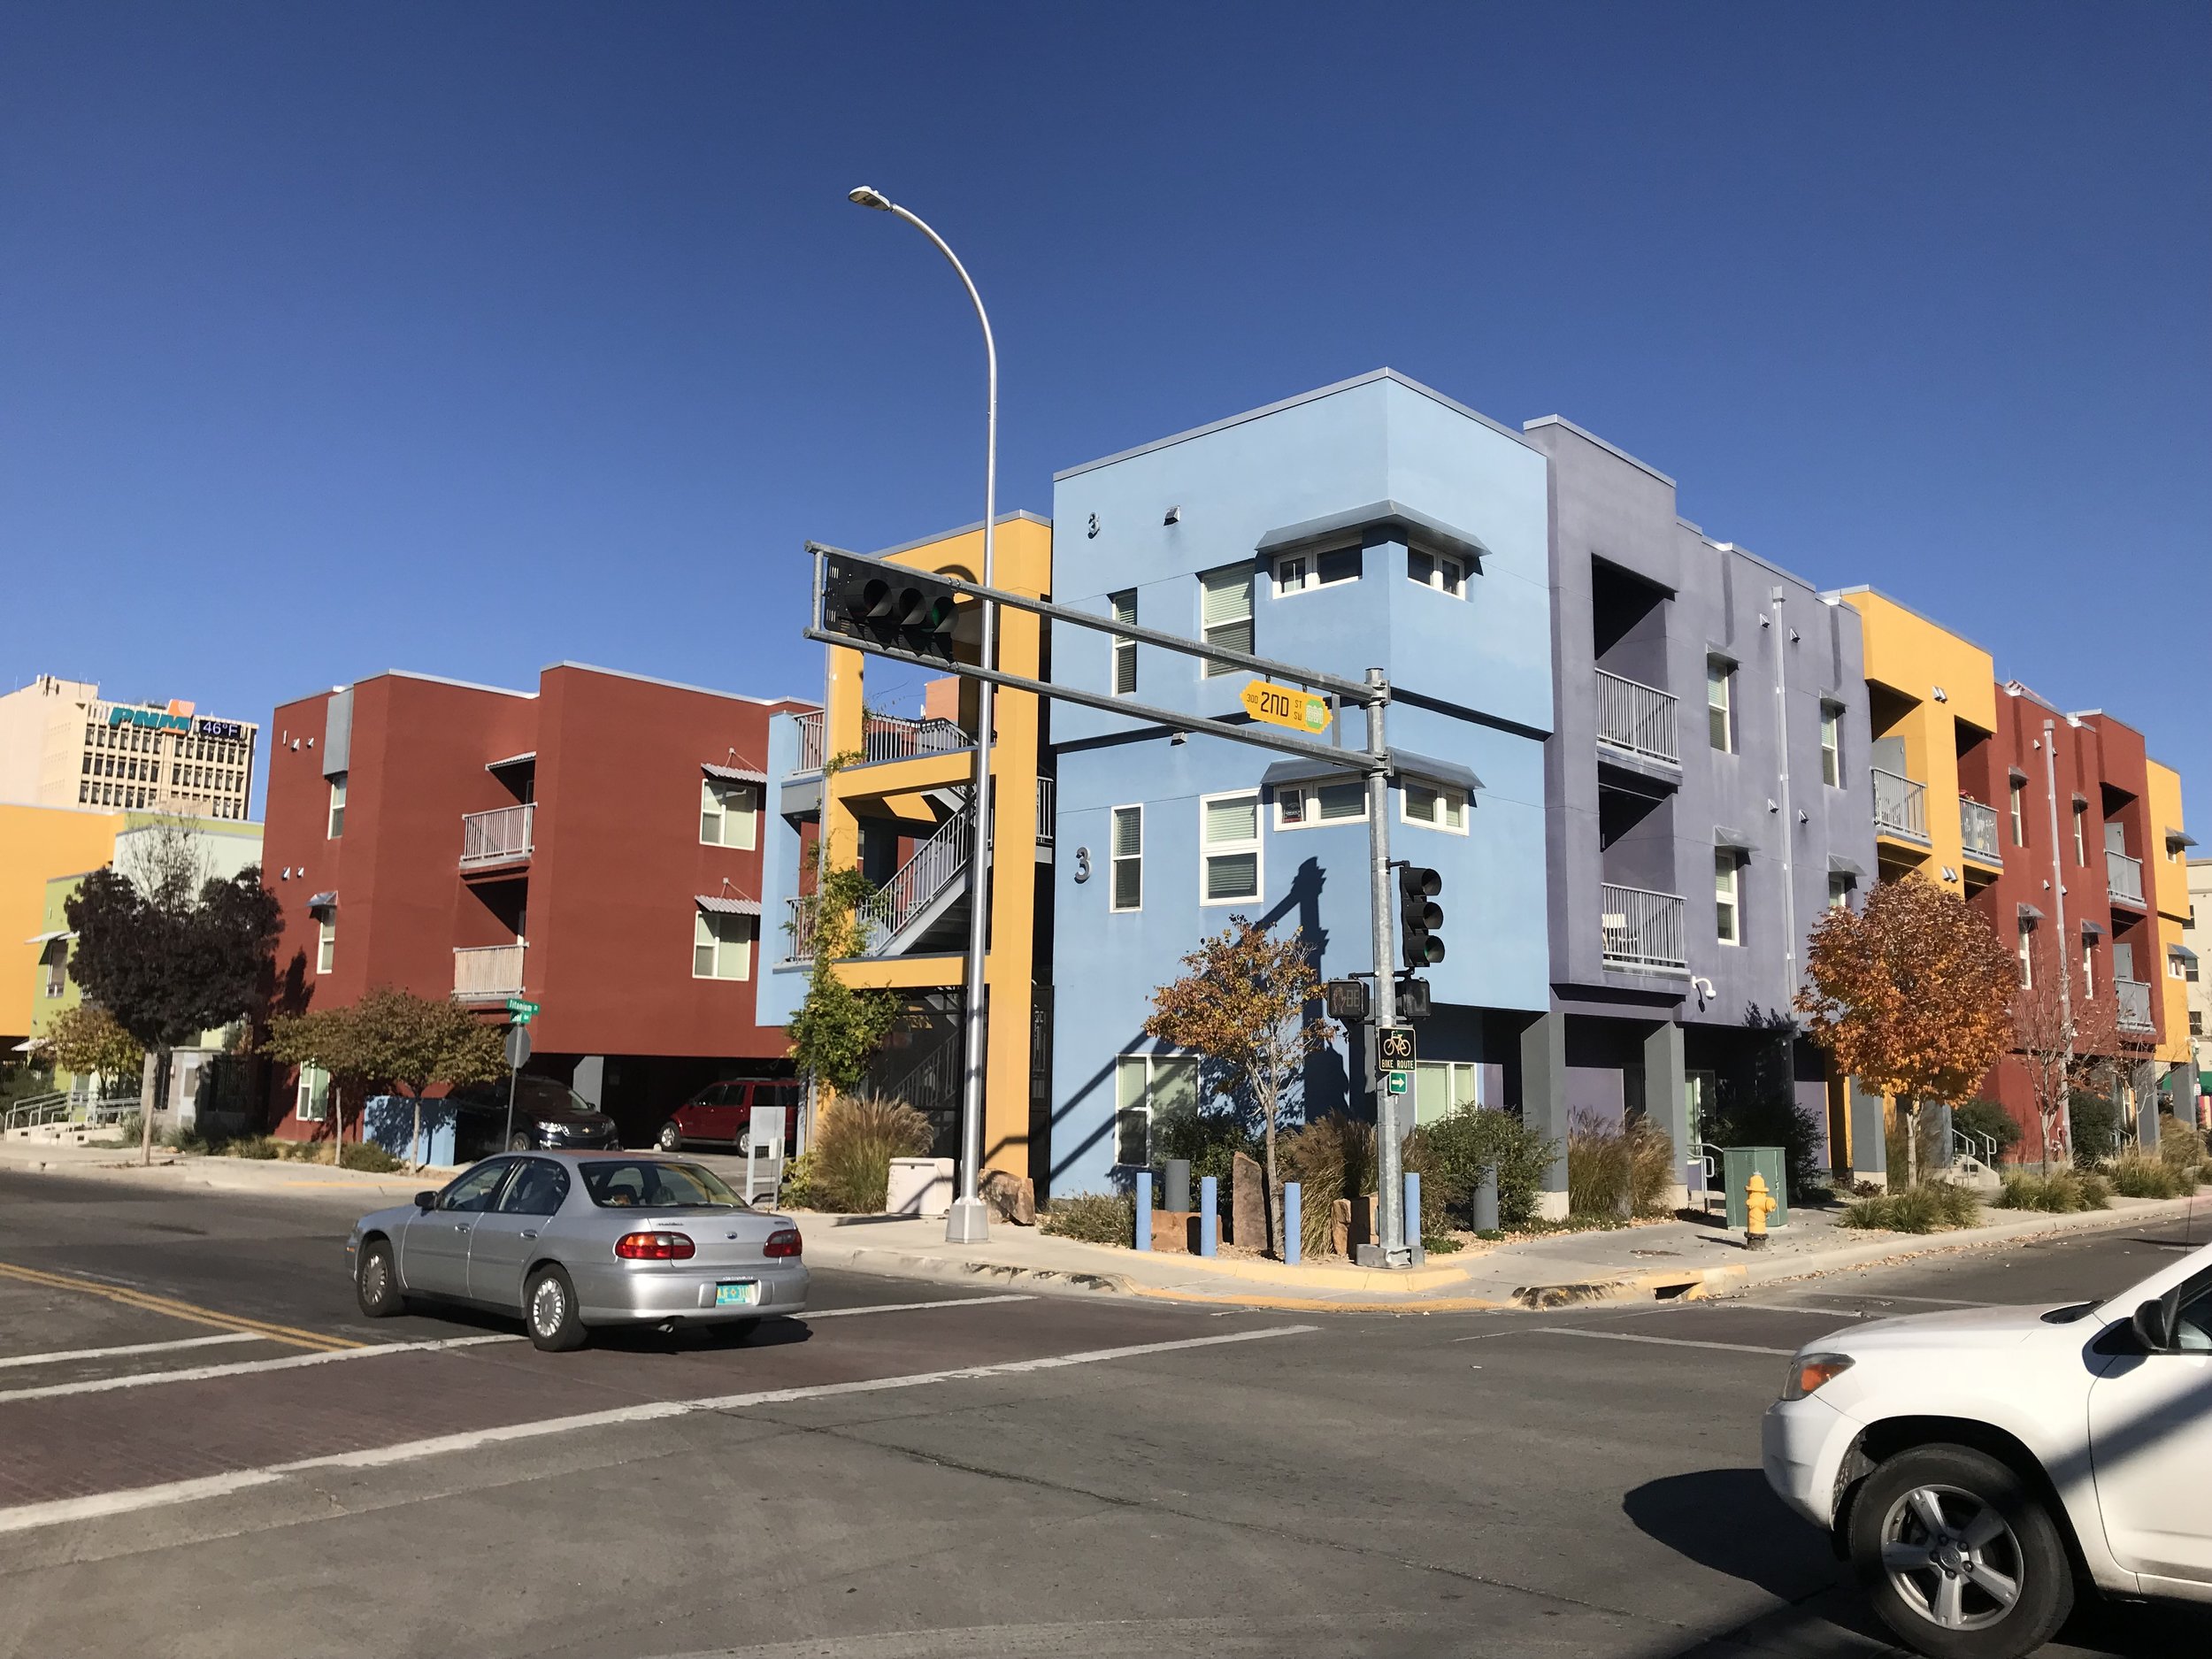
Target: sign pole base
968,1222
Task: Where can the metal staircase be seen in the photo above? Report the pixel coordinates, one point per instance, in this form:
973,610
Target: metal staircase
914,909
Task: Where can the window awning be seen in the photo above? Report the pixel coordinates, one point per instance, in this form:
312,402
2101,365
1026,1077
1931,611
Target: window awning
47,939
2017,775
1724,836
323,900
2092,930
529,757
1386,514
716,904
1839,865
1403,763
2176,840
2029,913
733,774
2181,953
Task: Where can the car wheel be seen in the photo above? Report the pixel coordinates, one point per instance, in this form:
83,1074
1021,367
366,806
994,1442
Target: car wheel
549,1308
518,1142
1960,1559
376,1283
670,1138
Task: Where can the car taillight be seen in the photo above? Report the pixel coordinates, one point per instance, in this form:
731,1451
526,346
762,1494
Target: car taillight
782,1242
655,1246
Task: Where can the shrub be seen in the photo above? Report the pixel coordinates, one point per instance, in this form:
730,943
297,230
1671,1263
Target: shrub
366,1155
1210,1140
2139,1174
1988,1117
797,1191
1768,1115
1329,1158
2095,1123
1931,1207
263,1148
2060,1191
858,1137
2181,1145
1094,1218
1597,1167
1453,1149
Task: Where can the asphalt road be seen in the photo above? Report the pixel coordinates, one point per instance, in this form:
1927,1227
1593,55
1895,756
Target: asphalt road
914,1469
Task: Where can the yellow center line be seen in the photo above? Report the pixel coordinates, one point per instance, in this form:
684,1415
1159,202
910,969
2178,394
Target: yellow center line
176,1310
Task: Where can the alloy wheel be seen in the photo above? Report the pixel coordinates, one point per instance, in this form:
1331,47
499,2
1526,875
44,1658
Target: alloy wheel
1951,1557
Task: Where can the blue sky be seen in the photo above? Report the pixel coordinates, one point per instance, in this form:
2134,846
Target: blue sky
469,338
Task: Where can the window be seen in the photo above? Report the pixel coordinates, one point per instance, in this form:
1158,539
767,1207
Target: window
337,806
1726,907
1441,1087
2176,968
1838,891
325,945
538,1190
1303,572
312,1104
1123,606
56,965
2019,814
1146,1087
1225,615
1304,805
721,945
1720,713
479,1189
729,814
1439,809
1441,572
2196,1023
1126,891
2081,851
2088,967
2027,958
1831,745
1229,838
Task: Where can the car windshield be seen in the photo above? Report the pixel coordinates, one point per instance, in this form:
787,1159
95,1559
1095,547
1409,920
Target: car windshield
653,1184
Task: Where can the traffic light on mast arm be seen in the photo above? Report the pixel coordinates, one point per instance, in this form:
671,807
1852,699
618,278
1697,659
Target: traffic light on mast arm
908,610
1420,916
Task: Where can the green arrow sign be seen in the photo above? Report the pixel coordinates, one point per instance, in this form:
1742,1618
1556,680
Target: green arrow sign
1397,1083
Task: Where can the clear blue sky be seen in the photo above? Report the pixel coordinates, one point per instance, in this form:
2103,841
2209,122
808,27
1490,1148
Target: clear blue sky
469,338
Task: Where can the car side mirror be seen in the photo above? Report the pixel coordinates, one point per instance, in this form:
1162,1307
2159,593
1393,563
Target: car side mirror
425,1200
2154,1323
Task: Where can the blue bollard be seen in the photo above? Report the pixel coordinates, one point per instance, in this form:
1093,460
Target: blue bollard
1144,1209
1209,1241
1293,1214
1413,1209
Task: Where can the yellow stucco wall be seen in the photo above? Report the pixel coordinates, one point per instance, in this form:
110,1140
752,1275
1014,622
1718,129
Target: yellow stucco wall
2167,868
36,844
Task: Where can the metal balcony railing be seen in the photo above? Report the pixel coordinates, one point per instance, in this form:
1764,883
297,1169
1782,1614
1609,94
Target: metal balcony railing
2124,876
1643,930
483,974
2135,1004
1900,806
887,737
1977,830
496,837
1044,811
810,743
936,863
1637,718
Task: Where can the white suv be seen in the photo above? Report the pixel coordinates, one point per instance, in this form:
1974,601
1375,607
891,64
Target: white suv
1975,1466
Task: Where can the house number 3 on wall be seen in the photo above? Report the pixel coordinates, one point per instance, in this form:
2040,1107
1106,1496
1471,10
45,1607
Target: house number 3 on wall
1082,863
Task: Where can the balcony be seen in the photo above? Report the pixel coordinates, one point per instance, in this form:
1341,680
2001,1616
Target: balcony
810,743
883,737
1977,830
501,837
488,974
1637,720
1643,931
2135,1004
2123,876
1044,811
1900,807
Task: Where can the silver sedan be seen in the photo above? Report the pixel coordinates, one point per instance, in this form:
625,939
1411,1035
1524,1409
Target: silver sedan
572,1239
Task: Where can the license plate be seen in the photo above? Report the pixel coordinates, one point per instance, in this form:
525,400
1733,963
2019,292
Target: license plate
742,1293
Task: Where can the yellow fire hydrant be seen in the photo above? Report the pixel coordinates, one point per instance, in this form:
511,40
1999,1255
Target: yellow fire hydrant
1758,1204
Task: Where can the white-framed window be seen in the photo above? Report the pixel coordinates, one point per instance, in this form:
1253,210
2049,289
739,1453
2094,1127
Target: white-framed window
1444,572
1838,891
1301,572
1720,703
337,806
1331,801
2176,969
1146,1087
1436,808
721,945
1728,895
1441,1087
1123,606
1831,745
2027,956
1229,848
2088,967
1124,885
1225,615
2019,814
2081,846
729,814
325,944
312,1104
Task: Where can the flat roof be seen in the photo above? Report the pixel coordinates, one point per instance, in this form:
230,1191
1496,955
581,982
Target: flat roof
1945,627
1022,514
508,691
1585,434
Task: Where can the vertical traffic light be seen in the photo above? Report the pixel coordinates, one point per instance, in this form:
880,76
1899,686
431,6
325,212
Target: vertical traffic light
1420,916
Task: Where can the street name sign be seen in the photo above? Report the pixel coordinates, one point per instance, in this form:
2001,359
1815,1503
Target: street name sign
521,1008
1286,705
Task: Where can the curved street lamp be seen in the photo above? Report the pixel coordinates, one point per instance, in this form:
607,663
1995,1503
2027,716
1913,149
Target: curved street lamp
967,1222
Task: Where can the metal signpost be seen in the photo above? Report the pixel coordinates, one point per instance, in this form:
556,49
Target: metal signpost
517,1053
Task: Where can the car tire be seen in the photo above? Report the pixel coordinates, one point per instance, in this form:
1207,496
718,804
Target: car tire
670,1138
519,1143
1959,1555
376,1282
548,1310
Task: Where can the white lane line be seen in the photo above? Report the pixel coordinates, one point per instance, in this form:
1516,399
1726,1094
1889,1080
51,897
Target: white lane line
28,1517
908,1307
130,1347
1885,1295
201,1373
1785,1306
1661,1341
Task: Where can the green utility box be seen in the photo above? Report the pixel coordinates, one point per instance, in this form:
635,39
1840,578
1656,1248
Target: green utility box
1738,1164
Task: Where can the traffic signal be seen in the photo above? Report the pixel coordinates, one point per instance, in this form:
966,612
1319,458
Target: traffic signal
1419,917
1347,1000
1413,999
910,609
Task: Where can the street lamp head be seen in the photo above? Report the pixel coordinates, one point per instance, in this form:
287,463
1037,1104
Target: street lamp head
867,195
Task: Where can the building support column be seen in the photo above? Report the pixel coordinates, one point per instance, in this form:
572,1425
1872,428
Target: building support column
1667,1102
2145,1075
590,1079
2184,1078
1544,1104
1870,1145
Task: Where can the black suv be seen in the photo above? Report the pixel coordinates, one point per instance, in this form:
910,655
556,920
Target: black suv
547,1115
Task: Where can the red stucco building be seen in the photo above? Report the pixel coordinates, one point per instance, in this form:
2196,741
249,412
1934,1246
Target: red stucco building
592,845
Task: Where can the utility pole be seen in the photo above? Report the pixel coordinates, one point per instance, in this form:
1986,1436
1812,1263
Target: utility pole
1389,1175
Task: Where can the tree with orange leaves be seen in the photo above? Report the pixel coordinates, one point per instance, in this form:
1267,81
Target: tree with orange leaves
1911,993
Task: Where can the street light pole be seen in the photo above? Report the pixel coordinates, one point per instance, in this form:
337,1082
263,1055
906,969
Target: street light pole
967,1224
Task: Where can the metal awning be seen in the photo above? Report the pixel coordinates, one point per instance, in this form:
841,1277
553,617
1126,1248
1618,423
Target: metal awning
1724,836
1403,763
734,774
2016,774
1386,514
718,905
29,1045
2092,930
2029,913
2176,840
2182,952
529,757
1838,864
47,939
2080,799
323,900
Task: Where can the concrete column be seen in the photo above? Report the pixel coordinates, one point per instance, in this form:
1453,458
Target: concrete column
1667,1101
1544,1103
2185,1107
590,1079
2145,1076
1869,1150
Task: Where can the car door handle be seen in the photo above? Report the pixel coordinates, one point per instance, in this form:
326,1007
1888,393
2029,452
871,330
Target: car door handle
531,1233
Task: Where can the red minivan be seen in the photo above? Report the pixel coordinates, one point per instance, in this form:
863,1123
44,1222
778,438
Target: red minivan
721,1114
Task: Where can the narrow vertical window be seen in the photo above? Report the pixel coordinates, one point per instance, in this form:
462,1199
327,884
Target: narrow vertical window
2081,847
313,1103
325,945
1727,908
337,806
2088,968
2019,815
1839,892
1720,717
2027,956
1225,615
1229,837
1125,889
1831,745
1123,607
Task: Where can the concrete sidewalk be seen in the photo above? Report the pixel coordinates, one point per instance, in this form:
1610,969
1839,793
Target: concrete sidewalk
277,1176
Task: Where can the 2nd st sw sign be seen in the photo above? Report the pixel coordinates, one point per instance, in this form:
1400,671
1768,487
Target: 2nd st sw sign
1286,705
